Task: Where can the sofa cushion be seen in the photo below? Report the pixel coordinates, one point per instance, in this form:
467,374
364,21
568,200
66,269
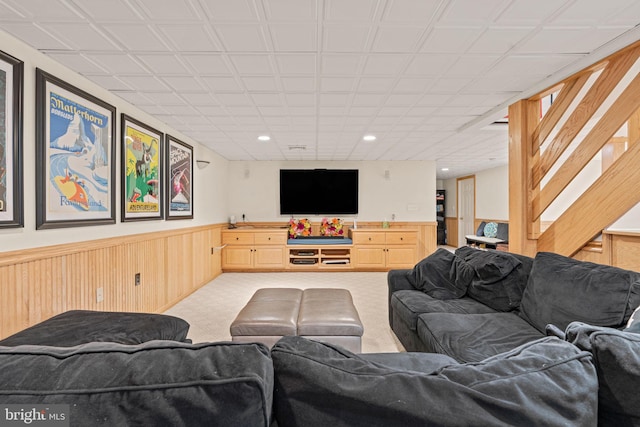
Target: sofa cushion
480,229
442,275
561,290
617,358
76,327
156,383
474,337
408,305
549,382
500,277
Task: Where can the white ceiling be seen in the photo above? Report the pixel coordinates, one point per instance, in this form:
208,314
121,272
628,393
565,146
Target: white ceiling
425,76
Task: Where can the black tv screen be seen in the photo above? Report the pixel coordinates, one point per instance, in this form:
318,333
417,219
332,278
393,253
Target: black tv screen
318,191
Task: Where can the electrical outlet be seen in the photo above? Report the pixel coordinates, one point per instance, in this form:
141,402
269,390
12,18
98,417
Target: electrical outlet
137,279
99,294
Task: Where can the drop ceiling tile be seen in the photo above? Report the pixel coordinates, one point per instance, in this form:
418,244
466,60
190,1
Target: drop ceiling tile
294,37
300,110
403,99
628,16
48,9
181,110
341,64
526,12
499,40
234,11
207,64
221,84
334,99
351,11
434,99
109,11
385,65
144,83
298,84
80,36
450,85
190,38
472,12
242,37
575,40
291,10
410,10
337,84
141,101
242,110
590,12
332,110
397,39
266,99
260,84
117,63
197,98
472,65
366,99
210,110
168,9
233,99
363,111
414,85
344,38
182,83
165,98
451,39
376,84
109,82
163,64
78,63
430,65
136,37
300,99
258,64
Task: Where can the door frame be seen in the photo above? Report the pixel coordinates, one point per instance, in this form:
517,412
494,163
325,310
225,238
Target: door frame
459,220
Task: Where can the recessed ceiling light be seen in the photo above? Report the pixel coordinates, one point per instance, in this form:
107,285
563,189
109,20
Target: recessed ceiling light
369,138
264,138
444,169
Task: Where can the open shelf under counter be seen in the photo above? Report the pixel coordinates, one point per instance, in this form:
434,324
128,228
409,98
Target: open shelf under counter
320,257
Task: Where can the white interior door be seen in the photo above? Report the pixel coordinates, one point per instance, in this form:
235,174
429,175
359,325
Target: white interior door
466,209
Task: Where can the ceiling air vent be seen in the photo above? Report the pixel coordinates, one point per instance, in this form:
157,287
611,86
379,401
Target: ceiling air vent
297,147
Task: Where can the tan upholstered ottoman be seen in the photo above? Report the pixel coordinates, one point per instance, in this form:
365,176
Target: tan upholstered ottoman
326,315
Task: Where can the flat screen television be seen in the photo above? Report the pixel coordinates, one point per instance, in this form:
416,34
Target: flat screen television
318,191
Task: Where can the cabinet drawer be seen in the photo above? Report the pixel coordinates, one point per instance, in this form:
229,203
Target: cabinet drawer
237,238
271,238
407,238
368,238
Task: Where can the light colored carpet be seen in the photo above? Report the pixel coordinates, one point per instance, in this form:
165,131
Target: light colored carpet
211,309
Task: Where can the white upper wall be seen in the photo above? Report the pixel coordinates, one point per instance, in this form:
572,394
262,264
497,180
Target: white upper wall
409,192
492,194
210,201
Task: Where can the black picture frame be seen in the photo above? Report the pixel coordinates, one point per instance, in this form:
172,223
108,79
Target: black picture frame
11,126
142,165
179,199
75,156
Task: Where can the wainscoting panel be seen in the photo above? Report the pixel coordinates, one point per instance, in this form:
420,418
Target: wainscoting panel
38,283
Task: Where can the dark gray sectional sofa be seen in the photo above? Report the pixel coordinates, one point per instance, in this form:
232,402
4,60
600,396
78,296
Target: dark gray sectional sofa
485,357
481,303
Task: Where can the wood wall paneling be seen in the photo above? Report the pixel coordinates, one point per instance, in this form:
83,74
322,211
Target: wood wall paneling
36,284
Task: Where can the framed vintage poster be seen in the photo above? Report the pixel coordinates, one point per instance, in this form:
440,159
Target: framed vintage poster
142,171
75,152
179,179
11,191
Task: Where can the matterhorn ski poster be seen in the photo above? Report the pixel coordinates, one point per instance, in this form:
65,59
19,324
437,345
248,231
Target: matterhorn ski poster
77,155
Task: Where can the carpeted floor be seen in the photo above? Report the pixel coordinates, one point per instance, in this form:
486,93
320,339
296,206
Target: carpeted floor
212,308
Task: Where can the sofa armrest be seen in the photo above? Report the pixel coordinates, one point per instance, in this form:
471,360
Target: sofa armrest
398,280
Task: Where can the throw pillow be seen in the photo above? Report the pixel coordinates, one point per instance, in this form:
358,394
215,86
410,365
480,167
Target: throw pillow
442,275
617,358
546,382
499,278
480,230
561,290
491,230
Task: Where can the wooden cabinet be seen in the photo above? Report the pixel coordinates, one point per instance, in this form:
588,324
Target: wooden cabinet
384,249
254,249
